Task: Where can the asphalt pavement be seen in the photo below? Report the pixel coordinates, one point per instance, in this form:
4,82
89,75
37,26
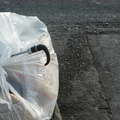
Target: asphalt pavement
86,38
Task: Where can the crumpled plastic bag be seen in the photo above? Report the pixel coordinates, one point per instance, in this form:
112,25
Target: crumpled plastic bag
33,86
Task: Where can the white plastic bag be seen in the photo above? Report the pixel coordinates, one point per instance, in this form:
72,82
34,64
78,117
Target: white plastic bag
34,86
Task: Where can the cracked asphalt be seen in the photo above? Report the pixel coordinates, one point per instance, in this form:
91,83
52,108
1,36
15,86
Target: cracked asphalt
86,38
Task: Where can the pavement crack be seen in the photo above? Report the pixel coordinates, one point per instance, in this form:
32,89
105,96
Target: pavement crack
108,109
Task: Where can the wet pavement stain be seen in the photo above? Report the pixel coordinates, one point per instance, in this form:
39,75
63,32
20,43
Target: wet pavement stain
80,90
